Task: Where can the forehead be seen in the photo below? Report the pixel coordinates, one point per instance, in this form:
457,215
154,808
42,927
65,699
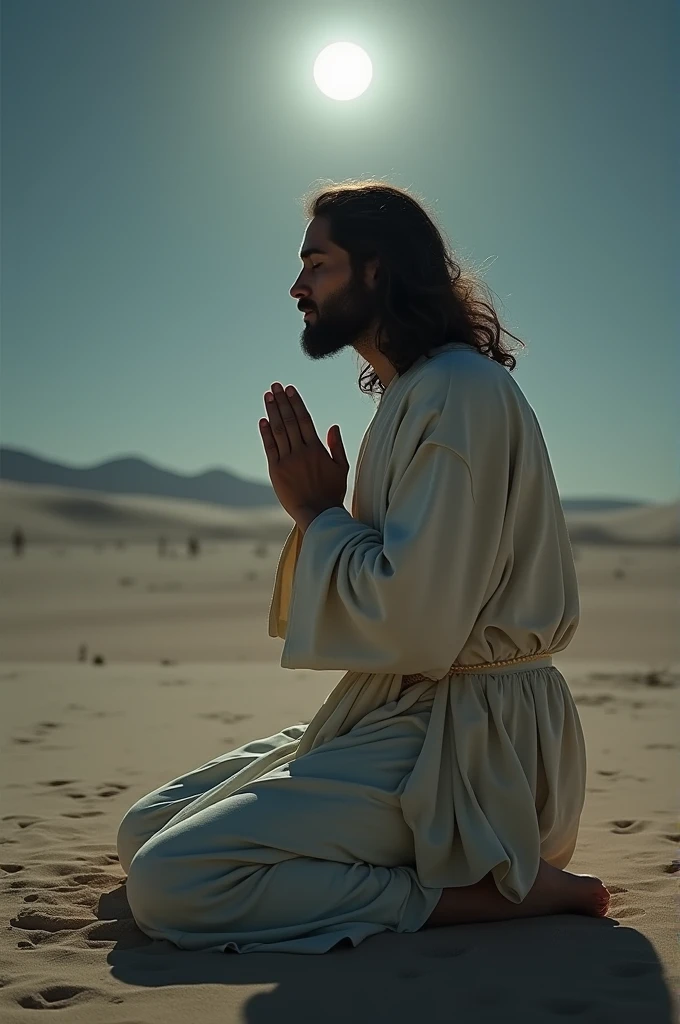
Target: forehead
316,238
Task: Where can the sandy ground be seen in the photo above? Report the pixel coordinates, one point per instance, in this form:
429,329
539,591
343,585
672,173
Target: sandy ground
189,672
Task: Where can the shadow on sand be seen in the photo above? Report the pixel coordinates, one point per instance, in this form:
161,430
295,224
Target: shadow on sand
532,970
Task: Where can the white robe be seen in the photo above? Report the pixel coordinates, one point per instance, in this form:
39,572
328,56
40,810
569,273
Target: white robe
456,551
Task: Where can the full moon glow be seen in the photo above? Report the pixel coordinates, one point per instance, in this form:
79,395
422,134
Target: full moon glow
343,71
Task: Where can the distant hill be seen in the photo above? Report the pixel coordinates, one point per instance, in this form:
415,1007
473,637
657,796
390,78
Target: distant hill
137,476
217,486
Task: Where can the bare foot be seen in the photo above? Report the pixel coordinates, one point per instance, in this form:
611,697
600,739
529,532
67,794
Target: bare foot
553,892
562,892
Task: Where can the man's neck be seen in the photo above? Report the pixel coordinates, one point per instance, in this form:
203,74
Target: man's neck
380,363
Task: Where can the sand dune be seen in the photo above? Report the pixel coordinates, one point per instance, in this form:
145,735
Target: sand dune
658,524
58,515
62,515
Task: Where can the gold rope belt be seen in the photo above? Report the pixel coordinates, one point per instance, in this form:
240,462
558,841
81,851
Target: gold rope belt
482,667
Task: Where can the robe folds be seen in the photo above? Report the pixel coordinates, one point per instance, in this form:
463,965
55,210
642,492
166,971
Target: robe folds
455,553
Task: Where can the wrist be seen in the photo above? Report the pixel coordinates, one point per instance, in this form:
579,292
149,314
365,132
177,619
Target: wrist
306,515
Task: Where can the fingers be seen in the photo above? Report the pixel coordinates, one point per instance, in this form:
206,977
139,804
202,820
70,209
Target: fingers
271,448
285,426
305,421
337,447
276,424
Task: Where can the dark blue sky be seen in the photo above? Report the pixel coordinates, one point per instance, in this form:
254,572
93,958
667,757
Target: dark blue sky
153,157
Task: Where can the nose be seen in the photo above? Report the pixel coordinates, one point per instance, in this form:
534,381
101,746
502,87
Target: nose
299,290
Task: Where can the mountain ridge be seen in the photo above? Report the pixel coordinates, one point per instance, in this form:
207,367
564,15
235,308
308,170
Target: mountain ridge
135,475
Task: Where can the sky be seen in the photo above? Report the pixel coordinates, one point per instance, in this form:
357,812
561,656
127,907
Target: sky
154,155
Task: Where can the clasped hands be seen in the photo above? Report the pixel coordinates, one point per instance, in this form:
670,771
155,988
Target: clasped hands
306,476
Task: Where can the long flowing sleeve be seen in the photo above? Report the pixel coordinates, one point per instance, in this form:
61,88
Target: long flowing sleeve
404,600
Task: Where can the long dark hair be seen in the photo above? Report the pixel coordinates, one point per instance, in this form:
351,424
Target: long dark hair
426,298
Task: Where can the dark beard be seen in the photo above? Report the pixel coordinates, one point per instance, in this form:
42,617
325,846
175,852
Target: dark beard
343,318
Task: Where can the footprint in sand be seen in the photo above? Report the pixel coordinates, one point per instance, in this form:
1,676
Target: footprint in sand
32,920
47,898
626,827
112,788
103,789
11,868
22,820
226,717
40,730
57,997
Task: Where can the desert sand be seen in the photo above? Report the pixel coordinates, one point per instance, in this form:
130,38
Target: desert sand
179,668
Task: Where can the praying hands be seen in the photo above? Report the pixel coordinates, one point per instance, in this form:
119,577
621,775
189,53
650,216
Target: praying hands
305,477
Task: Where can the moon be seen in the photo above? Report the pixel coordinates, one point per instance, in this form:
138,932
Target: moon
343,71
